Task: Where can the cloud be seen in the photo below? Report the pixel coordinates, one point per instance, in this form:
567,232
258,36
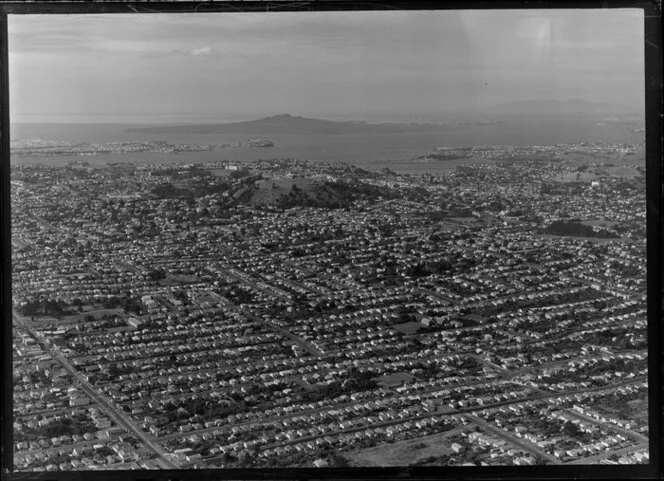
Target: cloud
235,56
202,51
320,57
206,51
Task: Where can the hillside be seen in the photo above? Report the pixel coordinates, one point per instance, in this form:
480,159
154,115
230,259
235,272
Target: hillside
305,193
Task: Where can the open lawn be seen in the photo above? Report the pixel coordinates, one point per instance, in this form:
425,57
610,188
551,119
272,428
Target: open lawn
394,379
408,327
272,189
590,239
638,409
96,313
88,311
177,279
220,172
422,451
448,226
599,223
463,220
619,171
576,177
636,159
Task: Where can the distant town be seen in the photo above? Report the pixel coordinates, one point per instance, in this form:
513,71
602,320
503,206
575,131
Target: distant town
294,313
50,148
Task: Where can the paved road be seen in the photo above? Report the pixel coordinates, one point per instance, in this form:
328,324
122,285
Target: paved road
104,403
619,452
540,395
314,351
308,412
435,295
60,410
244,277
122,420
523,444
633,295
443,412
610,427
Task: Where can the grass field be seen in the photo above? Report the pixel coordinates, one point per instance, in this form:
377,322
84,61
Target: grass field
422,451
87,310
177,279
639,409
270,190
408,327
634,159
394,379
589,239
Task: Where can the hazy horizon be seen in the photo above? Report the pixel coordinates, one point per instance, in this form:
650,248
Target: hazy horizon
188,118
334,65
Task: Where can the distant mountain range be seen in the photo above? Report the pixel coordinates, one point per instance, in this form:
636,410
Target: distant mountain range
513,112
290,124
547,107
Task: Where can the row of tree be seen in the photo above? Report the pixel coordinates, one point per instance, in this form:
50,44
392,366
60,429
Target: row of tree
45,307
577,229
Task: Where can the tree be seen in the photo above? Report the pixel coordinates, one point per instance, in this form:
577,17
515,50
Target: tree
245,459
239,174
111,302
113,370
540,460
339,461
156,275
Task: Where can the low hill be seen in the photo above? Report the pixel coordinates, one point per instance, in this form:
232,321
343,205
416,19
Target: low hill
577,229
317,194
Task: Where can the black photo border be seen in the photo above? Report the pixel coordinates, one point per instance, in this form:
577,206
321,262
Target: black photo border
655,242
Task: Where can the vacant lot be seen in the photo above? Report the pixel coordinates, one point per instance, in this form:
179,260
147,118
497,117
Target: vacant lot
408,327
587,176
589,239
405,453
638,409
177,279
394,379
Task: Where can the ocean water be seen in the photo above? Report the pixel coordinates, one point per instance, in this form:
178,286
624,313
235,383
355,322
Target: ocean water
374,151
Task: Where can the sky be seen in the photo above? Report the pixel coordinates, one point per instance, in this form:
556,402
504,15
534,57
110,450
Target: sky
238,66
